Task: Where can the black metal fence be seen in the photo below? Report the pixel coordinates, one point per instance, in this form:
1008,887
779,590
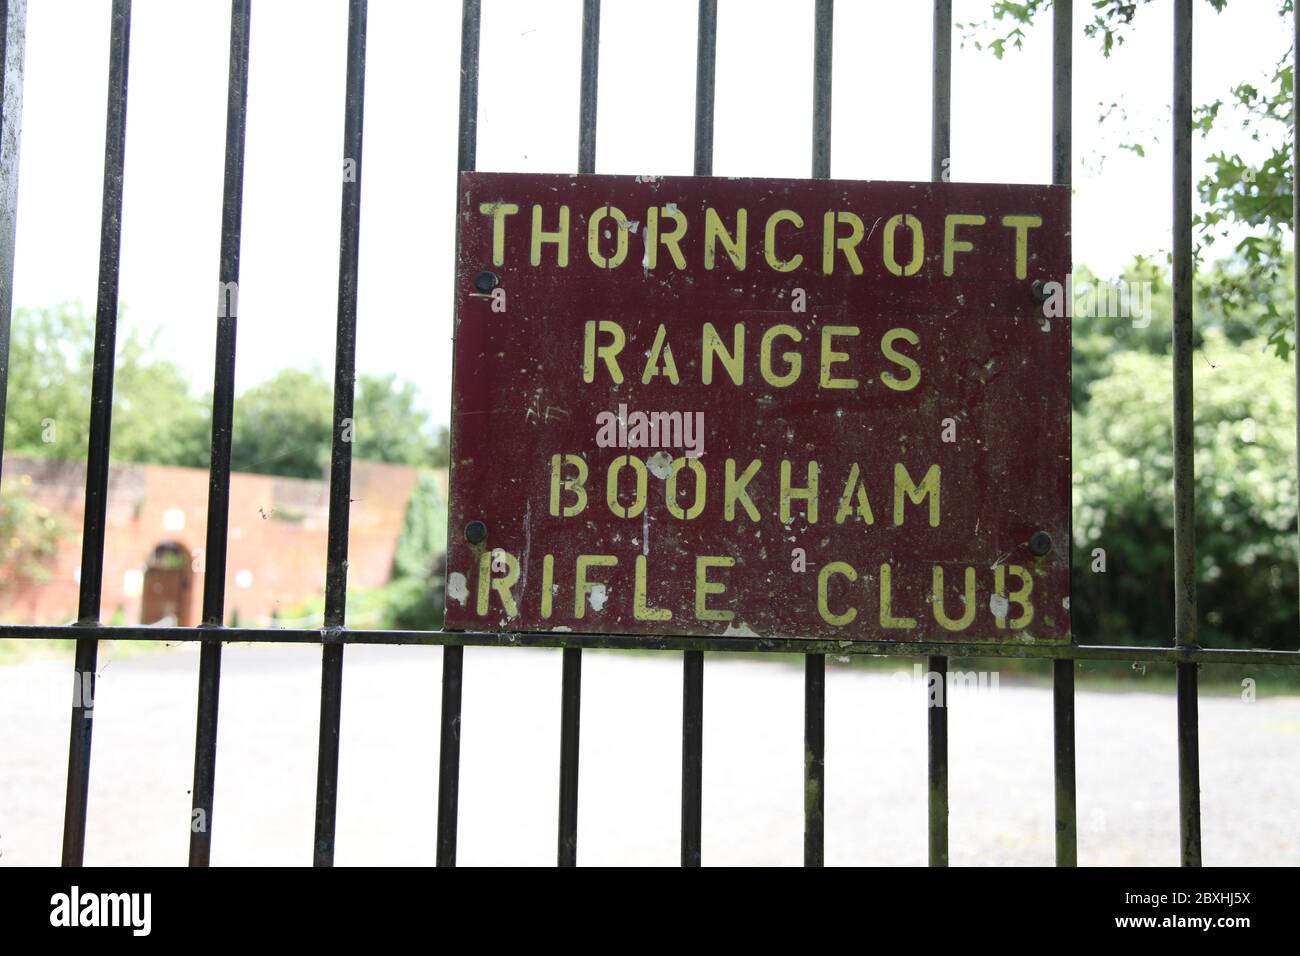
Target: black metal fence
333,636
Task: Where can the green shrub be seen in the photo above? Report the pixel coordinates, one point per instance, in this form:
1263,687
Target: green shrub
413,599
1245,499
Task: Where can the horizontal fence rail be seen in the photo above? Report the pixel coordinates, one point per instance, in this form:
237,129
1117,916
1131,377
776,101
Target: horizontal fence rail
1139,653
1183,652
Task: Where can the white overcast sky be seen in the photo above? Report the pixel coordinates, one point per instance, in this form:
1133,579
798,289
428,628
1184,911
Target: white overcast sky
528,104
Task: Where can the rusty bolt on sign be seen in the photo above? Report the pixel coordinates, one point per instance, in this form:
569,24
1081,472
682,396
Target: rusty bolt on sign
476,532
1040,542
486,281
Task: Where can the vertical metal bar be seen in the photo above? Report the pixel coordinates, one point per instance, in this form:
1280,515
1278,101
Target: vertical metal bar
223,403
1184,440
706,45
941,94
570,712
1189,784
692,756
1295,219
453,658
467,138
587,96
1067,839
13,36
1067,843
937,766
327,753
571,679
101,408
1189,766
814,684
937,707
823,34
336,572
814,757
1062,91
706,60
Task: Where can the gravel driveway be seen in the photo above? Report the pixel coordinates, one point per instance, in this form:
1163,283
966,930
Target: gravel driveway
1000,775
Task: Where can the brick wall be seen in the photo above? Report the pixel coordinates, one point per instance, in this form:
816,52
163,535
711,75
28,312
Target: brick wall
277,537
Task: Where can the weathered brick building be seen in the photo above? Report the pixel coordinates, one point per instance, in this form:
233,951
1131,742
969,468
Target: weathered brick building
157,526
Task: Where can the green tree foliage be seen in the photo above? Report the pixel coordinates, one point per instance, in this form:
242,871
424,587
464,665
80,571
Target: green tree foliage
1236,194
1111,20
416,593
1123,468
282,426
424,529
390,426
49,382
1244,401
29,536
1098,340
154,416
1245,499
442,448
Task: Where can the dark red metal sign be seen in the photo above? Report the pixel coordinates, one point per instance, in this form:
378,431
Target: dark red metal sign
783,408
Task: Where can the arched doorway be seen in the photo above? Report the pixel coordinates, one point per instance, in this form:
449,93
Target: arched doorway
168,577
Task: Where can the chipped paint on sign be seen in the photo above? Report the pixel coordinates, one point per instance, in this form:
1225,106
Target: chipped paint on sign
457,587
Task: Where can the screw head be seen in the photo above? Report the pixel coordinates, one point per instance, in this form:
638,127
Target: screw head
1039,291
486,281
1040,542
476,532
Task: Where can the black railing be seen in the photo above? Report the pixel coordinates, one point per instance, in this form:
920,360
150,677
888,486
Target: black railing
333,635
